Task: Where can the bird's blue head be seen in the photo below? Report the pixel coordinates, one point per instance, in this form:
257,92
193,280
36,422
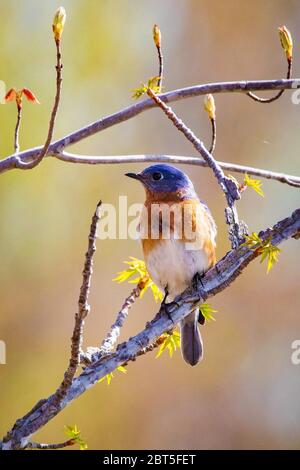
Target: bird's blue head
165,180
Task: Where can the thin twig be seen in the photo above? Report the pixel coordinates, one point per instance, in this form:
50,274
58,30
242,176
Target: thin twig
17,129
291,180
83,310
210,109
112,336
214,281
28,166
123,115
60,445
157,42
278,95
213,136
161,66
236,229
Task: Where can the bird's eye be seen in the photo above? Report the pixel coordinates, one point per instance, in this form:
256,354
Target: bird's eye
157,176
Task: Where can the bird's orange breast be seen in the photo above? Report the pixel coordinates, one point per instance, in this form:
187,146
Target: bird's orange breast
187,222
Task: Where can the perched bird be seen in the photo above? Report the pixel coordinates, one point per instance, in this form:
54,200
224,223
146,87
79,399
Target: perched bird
178,239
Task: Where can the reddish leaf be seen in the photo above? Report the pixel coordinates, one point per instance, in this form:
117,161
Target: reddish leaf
10,95
30,96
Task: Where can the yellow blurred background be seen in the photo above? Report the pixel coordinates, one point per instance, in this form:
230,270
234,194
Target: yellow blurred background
246,392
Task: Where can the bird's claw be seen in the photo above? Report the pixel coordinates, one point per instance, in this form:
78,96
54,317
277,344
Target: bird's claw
198,285
168,309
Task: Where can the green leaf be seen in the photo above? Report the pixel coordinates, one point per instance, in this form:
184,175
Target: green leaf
270,253
122,369
252,241
72,432
137,267
265,248
82,445
108,377
157,293
140,91
207,311
171,342
152,84
254,184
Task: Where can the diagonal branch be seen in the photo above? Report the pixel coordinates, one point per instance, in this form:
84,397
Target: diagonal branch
123,115
112,336
237,229
214,281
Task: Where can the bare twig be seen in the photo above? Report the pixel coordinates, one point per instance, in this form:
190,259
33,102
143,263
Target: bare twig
161,66
123,115
20,163
291,180
213,136
17,95
210,109
237,229
60,445
279,94
214,281
83,310
17,129
112,336
157,42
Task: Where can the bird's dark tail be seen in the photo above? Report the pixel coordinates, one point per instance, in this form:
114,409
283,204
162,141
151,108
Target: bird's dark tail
191,341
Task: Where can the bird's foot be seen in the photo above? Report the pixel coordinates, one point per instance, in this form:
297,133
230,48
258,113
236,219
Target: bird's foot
197,281
167,308
199,286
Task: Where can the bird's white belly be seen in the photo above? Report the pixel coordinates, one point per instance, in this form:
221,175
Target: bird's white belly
171,265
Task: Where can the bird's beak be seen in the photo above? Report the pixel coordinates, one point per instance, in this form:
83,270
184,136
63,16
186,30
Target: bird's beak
136,176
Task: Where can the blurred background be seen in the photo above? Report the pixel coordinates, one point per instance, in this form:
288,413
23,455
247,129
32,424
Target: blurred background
245,394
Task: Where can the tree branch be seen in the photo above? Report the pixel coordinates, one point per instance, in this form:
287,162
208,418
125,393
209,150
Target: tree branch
24,165
291,180
237,229
112,336
60,445
17,130
213,137
110,340
123,115
279,94
83,311
214,281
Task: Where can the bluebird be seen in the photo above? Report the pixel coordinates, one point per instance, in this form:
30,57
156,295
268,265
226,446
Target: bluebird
178,243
